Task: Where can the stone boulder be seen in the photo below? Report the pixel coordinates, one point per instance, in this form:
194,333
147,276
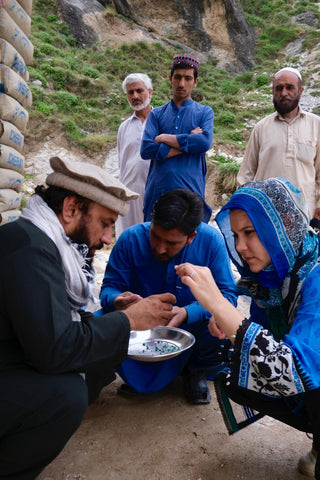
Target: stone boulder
73,13
213,29
216,28
307,18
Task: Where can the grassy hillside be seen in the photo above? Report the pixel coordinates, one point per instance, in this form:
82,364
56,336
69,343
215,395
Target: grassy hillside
81,88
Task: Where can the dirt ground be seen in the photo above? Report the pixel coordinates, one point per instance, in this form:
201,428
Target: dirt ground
159,436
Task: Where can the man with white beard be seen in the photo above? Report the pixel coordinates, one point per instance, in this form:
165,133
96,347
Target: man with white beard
133,169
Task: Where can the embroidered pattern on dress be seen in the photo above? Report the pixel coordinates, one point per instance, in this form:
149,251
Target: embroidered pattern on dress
267,366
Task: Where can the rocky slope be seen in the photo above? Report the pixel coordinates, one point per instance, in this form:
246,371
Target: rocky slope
213,29
93,20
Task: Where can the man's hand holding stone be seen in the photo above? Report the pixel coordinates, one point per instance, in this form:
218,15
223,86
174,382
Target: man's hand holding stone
151,312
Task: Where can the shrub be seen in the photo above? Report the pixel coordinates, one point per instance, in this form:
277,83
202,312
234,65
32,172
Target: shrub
47,49
311,39
90,72
95,142
245,78
52,18
67,101
229,87
236,136
70,127
262,80
226,118
45,108
44,37
59,76
36,75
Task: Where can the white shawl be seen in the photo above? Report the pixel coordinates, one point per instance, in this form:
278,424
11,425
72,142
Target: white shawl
79,289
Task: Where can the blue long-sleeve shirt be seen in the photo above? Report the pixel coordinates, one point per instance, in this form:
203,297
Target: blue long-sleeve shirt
187,170
292,364
133,267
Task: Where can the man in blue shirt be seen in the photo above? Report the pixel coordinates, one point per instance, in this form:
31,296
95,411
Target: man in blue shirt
142,263
176,138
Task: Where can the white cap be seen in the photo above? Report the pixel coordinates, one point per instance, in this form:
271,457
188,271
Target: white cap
289,69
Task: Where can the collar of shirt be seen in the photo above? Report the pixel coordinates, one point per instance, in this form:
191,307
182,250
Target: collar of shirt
301,113
185,103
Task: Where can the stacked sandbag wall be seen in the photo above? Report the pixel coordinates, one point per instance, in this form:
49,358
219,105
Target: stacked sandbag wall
16,52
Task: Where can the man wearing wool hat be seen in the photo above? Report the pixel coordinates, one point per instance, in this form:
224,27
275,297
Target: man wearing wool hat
286,143
176,138
54,356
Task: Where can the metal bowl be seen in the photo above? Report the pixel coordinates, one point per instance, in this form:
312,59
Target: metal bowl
158,344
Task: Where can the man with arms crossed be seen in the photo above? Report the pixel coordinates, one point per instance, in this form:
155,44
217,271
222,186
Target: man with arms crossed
176,138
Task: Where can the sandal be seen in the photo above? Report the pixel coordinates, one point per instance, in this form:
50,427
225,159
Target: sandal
195,386
127,390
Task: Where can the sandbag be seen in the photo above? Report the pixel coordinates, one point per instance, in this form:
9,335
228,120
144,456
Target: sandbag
19,16
11,136
26,5
11,179
9,199
9,56
11,159
9,216
14,35
13,112
12,84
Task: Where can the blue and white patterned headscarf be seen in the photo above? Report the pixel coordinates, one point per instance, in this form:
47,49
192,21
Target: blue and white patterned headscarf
278,213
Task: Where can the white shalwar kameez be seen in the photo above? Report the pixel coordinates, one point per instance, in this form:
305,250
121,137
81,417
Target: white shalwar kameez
133,169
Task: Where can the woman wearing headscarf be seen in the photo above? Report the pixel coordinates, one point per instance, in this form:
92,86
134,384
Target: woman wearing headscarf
275,366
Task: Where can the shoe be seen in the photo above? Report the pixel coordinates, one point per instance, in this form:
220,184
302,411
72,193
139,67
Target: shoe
195,386
126,390
307,463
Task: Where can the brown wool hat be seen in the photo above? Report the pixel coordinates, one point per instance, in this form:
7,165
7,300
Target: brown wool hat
91,182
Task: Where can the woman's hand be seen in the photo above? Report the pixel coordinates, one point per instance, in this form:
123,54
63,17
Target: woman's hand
201,284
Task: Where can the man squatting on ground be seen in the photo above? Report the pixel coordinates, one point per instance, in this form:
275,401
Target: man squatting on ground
46,336
143,262
176,138
133,169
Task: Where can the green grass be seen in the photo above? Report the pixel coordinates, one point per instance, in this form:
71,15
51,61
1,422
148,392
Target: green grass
81,87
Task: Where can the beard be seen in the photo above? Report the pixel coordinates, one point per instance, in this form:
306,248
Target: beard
286,105
81,235
162,258
140,106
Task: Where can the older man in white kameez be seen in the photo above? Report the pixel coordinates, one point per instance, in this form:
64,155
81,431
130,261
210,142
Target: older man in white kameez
133,169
